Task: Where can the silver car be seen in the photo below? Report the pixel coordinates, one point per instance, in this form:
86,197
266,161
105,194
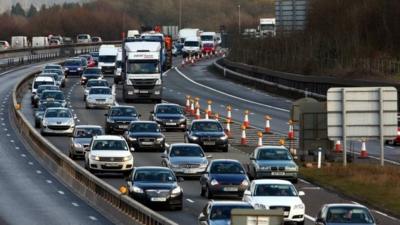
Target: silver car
57,121
185,159
344,214
93,83
81,139
100,97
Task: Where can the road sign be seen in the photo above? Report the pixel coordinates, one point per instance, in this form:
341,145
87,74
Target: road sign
291,15
362,113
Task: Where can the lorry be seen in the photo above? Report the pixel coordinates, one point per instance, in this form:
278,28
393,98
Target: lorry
267,27
107,58
133,34
166,46
188,32
208,42
39,42
19,42
142,70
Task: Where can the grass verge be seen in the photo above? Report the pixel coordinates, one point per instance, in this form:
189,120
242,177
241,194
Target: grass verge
371,184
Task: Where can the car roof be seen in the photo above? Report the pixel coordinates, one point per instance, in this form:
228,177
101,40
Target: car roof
152,167
167,104
272,147
144,121
345,205
59,108
123,106
205,120
184,144
51,90
88,126
108,138
100,87
224,160
271,181
94,80
225,202
44,78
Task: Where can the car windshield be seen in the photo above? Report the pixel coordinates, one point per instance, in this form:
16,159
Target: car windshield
109,145
126,112
72,63
273,154
186,151
58,113
52,75
42,88
223,212
207,38
94,54
154,176
87,132
43,107
169,109
97,83
191,43
56,95
226,168
57,71
275,190
94,71
144,127
348,215
100,91
39,83
107,58
143,67
50,67
207,127
84,36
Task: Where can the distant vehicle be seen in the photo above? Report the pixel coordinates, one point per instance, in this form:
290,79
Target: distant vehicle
344,214
84,62
40,89
219,212
83,38
57,38
68,41
109,153
267,27
185,159
208,42
155,186
272,162
107,58
395,141
52,96
60,73
118,67
145,135
224,177
42,81
53,66
89,59
90,73
191,47
81,139
54,42
39,112
188,32
133,34
57,121
94,83
39,42
169,116
73,67
209,134
4,45
96,39
277,194
55,76
100,97
119,117
19,42
95,56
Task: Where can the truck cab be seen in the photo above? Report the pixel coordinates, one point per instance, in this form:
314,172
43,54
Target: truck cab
267,27
208,42
107,58
142,70
191,47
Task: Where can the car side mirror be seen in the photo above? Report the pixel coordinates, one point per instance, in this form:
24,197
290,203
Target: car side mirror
252,158
180,179
301,193
247,193
202,218
209,156
132,149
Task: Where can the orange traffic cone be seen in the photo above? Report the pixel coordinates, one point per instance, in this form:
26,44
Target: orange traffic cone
228,129
364,152
183,63
260,139
246,121
206,115
216,116
209,109
198,116
187,108
243,139
267,124
291,130
338,146
229,113
192,109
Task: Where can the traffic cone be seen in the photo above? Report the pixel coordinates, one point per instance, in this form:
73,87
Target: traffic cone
243,139
260,139
206,115
246,121
229,113
209,109
228,129
291,130
267,124
183,63
338,146
187,109
216,116
198,116
197,102
207,55
364,152
192,110
282,142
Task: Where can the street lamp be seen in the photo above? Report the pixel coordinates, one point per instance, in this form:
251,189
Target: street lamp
239,19
180,14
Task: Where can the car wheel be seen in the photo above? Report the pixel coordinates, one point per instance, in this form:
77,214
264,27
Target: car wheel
37,124
209,193
225,149
202,192
300,223
72,156
178,207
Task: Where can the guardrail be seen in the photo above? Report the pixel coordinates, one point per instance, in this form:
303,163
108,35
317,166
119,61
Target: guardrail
119,208
289,84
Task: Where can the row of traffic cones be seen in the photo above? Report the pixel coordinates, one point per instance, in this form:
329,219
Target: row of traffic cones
193,59
363,150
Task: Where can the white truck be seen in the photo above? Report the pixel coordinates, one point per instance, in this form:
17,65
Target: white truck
133,34
118,67
107,58
19,42
40,42
188,32
142,70
208,42
267,27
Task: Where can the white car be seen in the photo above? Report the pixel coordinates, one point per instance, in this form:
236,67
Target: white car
109,153
100,97
276,194
93,83
57,121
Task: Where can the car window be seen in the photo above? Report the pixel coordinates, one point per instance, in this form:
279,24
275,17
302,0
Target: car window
43,107
127,112
348,215
100,91
223,212
153,175
144,127
273,154
186,151
169,110
52,95
58,113
97,83
38,83
226,168
87,132
42,88
109,145
207,127
275,190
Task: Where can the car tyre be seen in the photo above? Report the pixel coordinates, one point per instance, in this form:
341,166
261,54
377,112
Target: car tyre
300,223
202,192
37,124
209,193
225,149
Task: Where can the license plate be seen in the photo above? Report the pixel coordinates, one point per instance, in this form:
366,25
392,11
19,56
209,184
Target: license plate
158,199
130,92
147,143
123,126
50,99
170,124
189,171
277,173
230,189
73,71
100,100
209,143
143,91
111,164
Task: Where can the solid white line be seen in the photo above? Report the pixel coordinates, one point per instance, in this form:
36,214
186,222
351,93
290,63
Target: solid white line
386,215
189,200
304,181
309,217
229,95
390,147
310,188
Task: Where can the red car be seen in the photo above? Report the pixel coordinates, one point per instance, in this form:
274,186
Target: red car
395,141
90,60
208,48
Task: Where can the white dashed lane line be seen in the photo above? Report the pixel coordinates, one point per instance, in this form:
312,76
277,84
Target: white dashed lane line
38,171
75,204
93,218
61,192
189,200
49,181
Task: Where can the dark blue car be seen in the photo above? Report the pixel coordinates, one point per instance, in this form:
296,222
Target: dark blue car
73,67
224,177
169,116
119,118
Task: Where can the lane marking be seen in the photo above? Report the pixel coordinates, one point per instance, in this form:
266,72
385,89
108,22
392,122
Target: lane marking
309,217
229,95
310,188
75,204
23,155
30,163
61,192
49,181
189,200
17,148
390,147
93,218
386,215
38,172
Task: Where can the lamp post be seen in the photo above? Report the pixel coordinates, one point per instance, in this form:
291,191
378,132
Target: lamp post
180,14
239,19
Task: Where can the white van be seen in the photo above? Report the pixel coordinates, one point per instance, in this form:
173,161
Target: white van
191,46
107,58
133,34
118,67
39,42
42,80
19,42
83,38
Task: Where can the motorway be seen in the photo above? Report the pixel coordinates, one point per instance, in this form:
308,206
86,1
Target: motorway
30,194
197,80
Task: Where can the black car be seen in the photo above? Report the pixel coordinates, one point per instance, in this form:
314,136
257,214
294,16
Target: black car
155,186
209,134
53,96
169,116
73,67
89,74
118,118
225,177
219,212
41,109
39,91
145,135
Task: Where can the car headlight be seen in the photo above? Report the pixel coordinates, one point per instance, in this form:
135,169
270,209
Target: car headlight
223,138
77,145
66,68
182,119
214,182
158,82
291,168
245,183
204,164
71,122
157,119
86,92
127,158
93,157
176,190
160,139
194,138
44,123
298,206
79,68
137,190
174,165
265,168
